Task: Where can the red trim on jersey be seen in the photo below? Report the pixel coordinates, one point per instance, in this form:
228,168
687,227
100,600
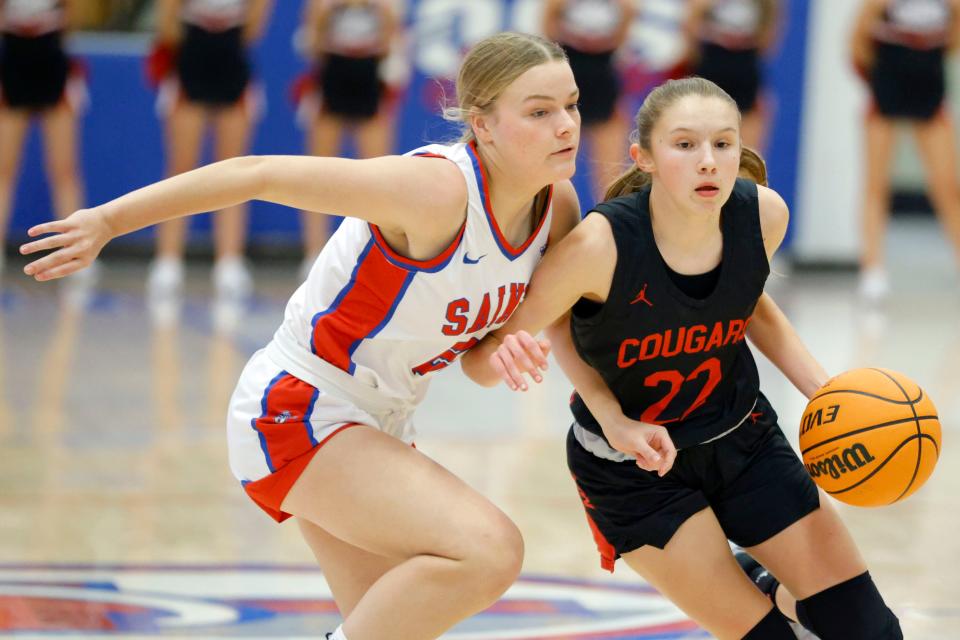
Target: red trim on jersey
371,299
270,492
501,239
608,555
287,436
422,265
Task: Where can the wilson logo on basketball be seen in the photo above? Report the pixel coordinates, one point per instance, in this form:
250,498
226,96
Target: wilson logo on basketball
844,462
819,417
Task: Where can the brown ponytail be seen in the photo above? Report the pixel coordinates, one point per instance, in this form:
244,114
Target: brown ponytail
753,166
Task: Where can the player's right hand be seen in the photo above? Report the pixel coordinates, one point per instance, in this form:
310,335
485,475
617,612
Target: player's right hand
650,444
518,354
74,243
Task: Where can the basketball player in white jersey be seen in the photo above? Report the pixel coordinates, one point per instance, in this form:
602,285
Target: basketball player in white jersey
436,252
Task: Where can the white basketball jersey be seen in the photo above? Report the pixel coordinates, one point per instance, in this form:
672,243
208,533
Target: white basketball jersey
370,319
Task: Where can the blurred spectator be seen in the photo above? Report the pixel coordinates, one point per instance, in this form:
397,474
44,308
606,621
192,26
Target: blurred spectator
726,40
38,82
358,70
591,32
202,62
898,47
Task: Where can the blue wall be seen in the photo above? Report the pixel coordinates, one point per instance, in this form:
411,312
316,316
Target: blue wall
122,142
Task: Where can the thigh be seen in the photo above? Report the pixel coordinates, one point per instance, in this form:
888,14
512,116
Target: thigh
376,493
812,554
698,573
349,570
60,139
14,124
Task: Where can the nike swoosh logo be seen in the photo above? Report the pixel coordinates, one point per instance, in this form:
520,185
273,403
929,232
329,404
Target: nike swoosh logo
468,260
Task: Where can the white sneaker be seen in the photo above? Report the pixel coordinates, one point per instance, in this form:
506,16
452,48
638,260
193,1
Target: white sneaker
231,279
78,287
165,278
874,285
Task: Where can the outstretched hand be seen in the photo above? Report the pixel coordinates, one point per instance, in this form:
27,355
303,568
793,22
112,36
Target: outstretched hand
650,444
518,354
74,244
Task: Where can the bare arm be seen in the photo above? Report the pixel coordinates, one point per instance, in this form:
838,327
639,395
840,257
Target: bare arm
421,201
552,12
861,40
954,37
168,21
258,14
627,12
650,444
692,23
562,278
770,330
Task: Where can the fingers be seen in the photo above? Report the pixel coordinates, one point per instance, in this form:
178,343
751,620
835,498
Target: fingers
503,363
519,354
54,226
55,265
668,453
58,270
647,458
44,244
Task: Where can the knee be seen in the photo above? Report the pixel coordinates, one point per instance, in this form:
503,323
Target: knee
495,557
851,610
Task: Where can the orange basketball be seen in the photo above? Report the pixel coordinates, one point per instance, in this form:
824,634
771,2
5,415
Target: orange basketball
870,437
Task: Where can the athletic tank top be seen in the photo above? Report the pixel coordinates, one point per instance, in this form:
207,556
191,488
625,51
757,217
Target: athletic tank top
918,24
356,30
591,19
31,18
215,15
733,24
368,318
671,359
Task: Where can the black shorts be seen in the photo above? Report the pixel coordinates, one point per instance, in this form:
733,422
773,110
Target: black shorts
907,83
212,67
736,71
33,71
598,83
351,87
751,478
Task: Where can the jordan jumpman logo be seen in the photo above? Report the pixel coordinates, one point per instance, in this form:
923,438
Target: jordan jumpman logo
642,296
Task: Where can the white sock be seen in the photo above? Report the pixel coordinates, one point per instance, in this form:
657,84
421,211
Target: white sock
338,634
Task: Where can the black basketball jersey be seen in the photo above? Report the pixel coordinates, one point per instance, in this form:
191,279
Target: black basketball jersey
671,359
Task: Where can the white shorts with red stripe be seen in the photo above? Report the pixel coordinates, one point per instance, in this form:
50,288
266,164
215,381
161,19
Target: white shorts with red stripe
276,422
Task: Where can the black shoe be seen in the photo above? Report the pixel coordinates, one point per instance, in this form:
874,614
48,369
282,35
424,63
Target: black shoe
764,580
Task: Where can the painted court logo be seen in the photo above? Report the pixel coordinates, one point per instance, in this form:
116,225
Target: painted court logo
267,602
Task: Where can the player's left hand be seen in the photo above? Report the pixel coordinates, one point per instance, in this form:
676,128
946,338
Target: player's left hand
518,354
74,244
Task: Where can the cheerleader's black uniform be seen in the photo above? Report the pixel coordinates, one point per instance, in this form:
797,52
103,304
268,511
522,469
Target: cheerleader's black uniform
34,66
907,78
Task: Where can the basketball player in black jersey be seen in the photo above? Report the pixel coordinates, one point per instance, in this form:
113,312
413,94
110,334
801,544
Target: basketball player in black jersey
674,449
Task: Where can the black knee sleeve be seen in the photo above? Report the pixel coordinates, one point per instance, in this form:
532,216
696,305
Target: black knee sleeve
773,626
851,610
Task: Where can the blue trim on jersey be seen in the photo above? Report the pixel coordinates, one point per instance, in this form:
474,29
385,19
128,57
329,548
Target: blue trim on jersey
343,293
308,413
383,323
409,264
263,414
481,187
